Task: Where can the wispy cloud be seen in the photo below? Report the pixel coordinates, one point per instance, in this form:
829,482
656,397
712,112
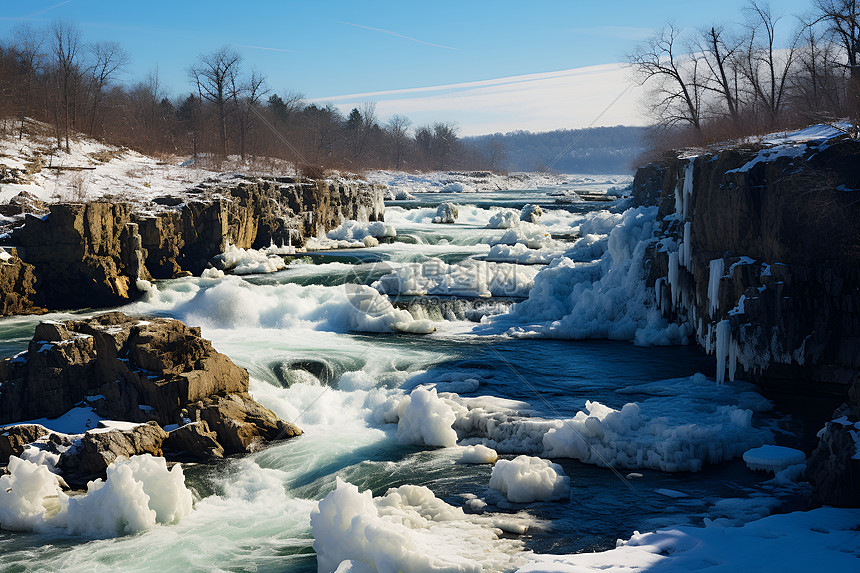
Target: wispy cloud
538,102
48,9
37,13
265,48
384,31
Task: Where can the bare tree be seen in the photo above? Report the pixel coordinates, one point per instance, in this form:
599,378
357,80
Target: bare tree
359,126
766,67
718,54
108,59
816,85
66,39
841,19
398,133
29,42
676,86
252,91
215,76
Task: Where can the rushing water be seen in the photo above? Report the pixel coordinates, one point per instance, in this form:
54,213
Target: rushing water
288,329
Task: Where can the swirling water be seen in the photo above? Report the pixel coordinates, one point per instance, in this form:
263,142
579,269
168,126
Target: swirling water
289,329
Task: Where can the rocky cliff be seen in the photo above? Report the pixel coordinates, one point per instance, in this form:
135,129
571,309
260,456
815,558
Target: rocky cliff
759,253
150,375
91,254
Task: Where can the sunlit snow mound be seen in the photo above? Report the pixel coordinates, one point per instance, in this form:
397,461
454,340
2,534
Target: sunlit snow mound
408,529
506,219
531,213
525,479
477,455
137,494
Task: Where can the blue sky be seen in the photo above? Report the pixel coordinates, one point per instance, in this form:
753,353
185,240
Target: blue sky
341,51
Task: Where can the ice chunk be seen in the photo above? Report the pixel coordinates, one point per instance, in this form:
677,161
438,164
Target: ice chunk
526,478
531,213
137,494
773,458
446,213
478,455
425,419
504,220
251,261
408,529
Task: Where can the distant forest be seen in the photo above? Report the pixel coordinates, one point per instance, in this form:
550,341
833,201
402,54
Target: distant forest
594,150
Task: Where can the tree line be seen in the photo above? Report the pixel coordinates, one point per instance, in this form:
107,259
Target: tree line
727,80
51,74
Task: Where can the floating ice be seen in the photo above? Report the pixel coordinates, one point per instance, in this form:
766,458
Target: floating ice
773,458
478,455
678,430
525,479
408,529
356,231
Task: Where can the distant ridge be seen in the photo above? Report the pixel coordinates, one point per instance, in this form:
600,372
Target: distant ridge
596,150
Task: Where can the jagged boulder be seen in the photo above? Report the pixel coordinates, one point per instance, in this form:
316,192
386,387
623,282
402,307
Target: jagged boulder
154,370
14,439
98,448
240,422
17,284
84,254
194,441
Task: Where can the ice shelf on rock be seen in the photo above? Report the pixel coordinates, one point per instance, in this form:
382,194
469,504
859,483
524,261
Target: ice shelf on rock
773,458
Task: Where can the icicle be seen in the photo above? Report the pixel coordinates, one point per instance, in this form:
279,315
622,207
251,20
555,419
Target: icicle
673,278
716,271
724,340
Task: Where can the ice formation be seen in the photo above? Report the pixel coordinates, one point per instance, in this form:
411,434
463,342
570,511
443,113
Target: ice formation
607,299
373,312
251,261
820,539
531,213
137,494
525,479
478,455
470,278
425,419
408,529
504,220
773,458
446,213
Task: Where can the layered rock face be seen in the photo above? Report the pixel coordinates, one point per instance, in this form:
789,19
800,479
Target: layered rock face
760,252
761,255
92,254
17,284
152,373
